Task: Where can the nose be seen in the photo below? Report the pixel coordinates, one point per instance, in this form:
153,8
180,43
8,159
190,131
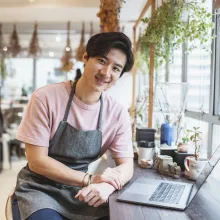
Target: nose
106,71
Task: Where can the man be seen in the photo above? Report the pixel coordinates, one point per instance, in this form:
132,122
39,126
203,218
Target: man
67,126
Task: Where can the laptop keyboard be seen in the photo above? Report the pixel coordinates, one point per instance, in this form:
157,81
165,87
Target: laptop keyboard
168,193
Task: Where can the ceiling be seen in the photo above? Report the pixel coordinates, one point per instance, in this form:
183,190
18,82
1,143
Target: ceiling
31,3
52,17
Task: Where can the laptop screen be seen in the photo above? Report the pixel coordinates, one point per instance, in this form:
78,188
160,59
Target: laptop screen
205,173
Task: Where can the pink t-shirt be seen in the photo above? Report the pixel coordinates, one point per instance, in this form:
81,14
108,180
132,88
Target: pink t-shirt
46,110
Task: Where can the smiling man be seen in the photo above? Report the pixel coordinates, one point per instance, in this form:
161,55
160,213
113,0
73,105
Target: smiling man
69,125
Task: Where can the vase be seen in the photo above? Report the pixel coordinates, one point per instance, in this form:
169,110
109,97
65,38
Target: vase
167,134
194,167
182,148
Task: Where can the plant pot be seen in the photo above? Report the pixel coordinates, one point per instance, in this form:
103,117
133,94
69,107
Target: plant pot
194,167
183,148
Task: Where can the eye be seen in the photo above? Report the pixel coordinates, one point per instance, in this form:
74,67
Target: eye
116,69
101,61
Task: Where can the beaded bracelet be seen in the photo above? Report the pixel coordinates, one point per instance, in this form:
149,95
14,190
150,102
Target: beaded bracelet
84,179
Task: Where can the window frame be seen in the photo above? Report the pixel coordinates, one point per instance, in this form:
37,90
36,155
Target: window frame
214,103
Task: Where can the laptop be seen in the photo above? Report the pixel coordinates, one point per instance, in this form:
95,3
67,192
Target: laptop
168,194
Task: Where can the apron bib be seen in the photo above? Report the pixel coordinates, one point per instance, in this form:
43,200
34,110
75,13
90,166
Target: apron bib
74,148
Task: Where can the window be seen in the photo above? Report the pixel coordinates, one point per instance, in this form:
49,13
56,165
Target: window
176,67
217,65
199,74
47,72
19,75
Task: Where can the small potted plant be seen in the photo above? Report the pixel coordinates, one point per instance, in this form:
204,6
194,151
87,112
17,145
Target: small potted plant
194,164
183,146
196,137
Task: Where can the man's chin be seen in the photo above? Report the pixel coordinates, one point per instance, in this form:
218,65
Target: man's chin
99,89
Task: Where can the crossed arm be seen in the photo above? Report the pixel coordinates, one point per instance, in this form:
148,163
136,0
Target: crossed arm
102,185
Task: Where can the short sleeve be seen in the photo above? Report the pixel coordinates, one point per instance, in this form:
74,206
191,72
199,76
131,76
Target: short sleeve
34,127
121,145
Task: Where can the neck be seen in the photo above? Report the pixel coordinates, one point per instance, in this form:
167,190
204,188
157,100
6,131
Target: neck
86,94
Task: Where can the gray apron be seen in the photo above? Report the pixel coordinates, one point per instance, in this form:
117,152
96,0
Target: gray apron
74,148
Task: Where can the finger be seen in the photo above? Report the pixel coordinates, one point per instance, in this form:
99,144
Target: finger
116,181
110,181
118,178
99,202
85,191
77,195
109,177
90,196
93,200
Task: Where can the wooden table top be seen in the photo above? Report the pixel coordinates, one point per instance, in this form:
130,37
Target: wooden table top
205,205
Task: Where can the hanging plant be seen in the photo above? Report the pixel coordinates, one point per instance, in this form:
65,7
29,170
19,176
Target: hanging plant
66,63
174,23
14,44
81,49
34,47
109,15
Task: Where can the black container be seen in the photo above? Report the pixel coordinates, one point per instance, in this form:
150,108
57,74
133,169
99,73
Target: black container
179,158
146,144
168,152
145,134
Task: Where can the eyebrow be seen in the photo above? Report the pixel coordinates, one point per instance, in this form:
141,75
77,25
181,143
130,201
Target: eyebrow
116,64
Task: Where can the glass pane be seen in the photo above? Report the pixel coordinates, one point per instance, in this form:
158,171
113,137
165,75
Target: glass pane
19,75
215,137
199,71
169,99
176,67
189,123
47,72
217,66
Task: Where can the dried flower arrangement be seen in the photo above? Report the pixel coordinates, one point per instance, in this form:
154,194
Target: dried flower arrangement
67,64
109,15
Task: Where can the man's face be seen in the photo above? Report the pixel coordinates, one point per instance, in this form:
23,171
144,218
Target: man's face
101,73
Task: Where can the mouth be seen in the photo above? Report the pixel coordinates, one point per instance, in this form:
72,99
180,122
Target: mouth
101,81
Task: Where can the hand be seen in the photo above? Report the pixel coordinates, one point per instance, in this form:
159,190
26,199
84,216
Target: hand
110,176
95,194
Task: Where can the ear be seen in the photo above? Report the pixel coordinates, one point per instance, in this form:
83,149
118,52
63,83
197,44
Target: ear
85,58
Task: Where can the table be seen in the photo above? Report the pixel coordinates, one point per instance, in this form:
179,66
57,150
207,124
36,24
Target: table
205,205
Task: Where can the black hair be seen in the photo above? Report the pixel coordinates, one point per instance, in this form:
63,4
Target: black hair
101,44
78,74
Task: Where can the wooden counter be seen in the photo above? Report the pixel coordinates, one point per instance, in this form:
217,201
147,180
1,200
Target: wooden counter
205,205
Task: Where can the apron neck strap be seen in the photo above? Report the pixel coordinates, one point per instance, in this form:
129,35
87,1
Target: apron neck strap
70,101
